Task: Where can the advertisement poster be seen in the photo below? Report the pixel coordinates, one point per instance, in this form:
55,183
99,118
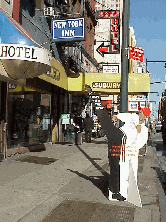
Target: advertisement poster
133,106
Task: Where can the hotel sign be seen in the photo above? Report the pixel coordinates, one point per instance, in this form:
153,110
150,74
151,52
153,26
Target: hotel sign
106,85
72,29
114,16
106,14
24,52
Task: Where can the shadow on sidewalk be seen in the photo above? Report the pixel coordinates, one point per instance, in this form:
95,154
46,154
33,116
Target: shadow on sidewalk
101,182
161,176
99,142
93,162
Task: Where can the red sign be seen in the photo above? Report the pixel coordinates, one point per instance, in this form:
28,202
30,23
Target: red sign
136,53
115,35
107,14
104,49
107,103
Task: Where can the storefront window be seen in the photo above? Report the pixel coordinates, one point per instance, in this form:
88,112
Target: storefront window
29,119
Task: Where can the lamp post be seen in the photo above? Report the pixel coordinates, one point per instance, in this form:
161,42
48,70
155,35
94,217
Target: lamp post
154,62
124,57
153,102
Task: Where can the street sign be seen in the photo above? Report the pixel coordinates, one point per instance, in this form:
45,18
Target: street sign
72,29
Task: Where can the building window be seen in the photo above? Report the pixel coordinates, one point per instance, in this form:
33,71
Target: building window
112,5
116,5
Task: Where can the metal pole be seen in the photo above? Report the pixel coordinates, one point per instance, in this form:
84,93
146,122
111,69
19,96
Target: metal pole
124,58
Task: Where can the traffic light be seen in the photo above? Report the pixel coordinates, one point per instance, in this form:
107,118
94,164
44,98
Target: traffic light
165,65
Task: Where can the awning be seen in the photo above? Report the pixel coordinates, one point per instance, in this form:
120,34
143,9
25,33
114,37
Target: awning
21,56
109,83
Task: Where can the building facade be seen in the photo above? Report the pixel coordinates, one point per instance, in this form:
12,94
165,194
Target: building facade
36,90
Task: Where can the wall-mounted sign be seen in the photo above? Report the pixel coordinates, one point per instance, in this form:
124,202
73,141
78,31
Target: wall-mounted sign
106,85
11,86
54,73
115,33
65,116
114,15
103,14
96,99
142,104
72,29
111,69
133,106
136,53
107,103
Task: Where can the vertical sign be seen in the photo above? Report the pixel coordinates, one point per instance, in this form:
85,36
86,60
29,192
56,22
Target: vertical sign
114,16
115,33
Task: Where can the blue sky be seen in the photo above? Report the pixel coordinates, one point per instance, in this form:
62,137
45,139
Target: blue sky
149,21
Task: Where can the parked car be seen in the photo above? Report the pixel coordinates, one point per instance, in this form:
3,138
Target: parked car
158,126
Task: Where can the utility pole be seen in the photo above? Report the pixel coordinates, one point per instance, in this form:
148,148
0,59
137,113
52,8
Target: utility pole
124,57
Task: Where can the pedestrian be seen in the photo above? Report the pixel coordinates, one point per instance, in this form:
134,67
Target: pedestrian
153,127
149,131
88,124
76,131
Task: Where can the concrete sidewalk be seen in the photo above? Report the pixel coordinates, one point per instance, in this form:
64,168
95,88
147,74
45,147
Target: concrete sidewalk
79,175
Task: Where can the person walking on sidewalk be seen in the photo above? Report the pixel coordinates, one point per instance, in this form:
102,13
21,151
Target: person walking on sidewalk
153,127
88,124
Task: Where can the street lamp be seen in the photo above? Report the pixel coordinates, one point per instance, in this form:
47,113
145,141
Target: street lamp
154,62
157,82
153,102
155,92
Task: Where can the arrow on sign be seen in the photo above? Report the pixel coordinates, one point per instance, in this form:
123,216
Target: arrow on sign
103,49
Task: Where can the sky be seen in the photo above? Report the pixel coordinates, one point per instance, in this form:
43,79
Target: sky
149,21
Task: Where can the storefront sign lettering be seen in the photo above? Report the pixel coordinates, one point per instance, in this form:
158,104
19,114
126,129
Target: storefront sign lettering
106,85
13,51
54,73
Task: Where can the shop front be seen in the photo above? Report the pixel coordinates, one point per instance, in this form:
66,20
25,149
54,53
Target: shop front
28,110
29,116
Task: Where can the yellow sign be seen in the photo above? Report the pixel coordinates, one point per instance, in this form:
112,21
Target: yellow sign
56,75
106,85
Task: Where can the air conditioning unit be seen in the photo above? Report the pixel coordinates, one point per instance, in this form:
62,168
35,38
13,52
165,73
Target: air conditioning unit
48,11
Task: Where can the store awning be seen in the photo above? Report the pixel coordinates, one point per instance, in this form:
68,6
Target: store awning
21,56
109,83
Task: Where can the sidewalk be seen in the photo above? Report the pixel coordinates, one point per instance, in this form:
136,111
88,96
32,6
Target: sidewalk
74,185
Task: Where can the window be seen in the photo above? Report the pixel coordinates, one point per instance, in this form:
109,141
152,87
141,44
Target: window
116,5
